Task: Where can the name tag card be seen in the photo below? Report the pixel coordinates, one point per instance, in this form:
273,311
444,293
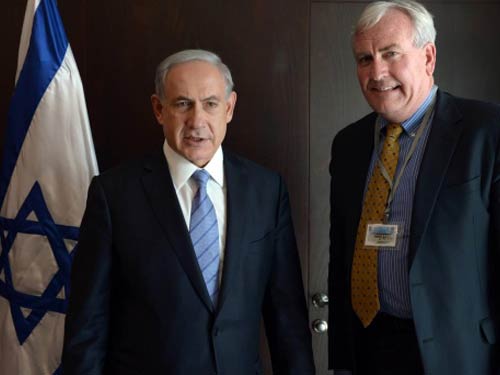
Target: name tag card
381,235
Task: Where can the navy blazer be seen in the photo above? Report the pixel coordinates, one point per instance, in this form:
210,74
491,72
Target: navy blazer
138,302
454,239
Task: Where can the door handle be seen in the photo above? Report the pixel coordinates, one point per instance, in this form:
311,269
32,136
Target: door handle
320,326
320,300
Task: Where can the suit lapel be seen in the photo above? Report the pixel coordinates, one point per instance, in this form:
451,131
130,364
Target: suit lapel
161,193
356,172
237,205
441,144
348,171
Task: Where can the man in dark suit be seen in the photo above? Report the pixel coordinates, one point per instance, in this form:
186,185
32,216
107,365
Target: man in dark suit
181,254
415,213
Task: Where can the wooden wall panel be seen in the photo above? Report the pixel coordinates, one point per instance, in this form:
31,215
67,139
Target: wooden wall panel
11,21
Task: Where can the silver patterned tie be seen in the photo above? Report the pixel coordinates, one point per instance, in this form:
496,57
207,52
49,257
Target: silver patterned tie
204,233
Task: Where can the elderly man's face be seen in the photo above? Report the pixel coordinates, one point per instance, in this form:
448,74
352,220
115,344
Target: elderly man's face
195,111
394,75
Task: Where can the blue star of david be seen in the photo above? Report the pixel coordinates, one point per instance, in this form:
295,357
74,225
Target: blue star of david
45,226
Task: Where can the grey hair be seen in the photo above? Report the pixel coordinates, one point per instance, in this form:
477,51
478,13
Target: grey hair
187,56
423,24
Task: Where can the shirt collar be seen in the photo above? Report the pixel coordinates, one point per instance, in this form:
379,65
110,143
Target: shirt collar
411,125
182,169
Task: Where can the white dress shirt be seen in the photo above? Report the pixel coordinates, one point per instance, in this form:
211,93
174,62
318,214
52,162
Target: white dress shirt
181,171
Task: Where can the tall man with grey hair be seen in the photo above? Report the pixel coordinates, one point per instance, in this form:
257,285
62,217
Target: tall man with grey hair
182,253
415,213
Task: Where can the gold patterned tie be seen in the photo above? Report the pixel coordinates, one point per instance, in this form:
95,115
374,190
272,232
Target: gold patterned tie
364,284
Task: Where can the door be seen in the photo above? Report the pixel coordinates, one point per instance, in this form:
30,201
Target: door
467,65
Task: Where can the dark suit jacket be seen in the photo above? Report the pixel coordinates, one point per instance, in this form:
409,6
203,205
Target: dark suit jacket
454,240
138,302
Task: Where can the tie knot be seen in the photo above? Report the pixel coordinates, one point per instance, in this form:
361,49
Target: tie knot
394,131
201,177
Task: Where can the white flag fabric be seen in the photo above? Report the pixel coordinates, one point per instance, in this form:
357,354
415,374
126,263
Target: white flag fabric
46,168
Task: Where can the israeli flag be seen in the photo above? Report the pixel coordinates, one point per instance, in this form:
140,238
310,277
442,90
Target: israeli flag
46,168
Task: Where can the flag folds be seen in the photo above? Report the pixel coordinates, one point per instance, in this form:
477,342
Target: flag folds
46,168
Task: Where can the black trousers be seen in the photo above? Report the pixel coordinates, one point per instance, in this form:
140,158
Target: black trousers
388,346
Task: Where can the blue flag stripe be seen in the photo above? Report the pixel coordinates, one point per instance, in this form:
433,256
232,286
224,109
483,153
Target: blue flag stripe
34,302
35,227
48,45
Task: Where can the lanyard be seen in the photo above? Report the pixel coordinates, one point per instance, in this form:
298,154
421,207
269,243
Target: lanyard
393,184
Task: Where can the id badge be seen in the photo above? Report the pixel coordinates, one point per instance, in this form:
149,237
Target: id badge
381,235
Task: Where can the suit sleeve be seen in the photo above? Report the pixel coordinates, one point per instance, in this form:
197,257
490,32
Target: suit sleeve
284,310
86,327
